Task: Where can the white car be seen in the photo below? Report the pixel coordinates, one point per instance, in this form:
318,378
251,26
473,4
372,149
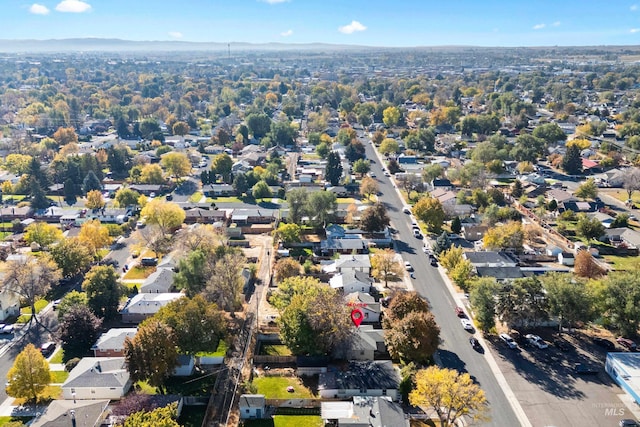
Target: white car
537,341
386,173
406,210
508,340
408,266
466,324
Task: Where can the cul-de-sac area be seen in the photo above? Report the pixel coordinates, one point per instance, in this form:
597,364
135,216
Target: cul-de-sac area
332,238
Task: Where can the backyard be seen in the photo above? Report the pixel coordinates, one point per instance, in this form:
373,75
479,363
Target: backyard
276,388
287,421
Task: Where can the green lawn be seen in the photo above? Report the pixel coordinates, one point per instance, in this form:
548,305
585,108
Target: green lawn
275,350
25,312
345,200
58,377
224,200
276,388
131,285
195,197
58,356
287,421
144,388
622,262
6,419
221,350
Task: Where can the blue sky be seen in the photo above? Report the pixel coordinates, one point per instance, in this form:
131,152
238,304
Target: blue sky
362,22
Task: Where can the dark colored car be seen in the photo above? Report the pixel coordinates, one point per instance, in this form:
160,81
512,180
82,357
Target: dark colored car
604,343
582,369
434,262
47,348
460,312
149,262
475,344
626,343
628,423
561,344
169,197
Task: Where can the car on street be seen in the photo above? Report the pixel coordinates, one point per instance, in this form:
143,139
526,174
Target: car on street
628,423
475,344
434,262
584,369
169,197
408,266
417,234
386,173
460,312
535,340
627,343
47,348
605,343
506,338
466,324
7,329
406,210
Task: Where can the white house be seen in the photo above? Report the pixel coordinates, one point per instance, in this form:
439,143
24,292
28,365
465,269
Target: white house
367,304
351,281
366,343
359,262
252,406
9,304
97,378
141,306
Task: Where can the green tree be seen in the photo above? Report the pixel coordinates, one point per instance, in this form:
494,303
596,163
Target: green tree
79,330
456,225
619,300
152,354
221,165
29,375
282,133
291,286
176,164
261,190
70,300
39,199
333,170
569,299
240,184
323,150
482,297
91,182
572,162
288,233
180,128
259,124
589,228
126,197
374,218
430,211
42,233
587,190
452,395
165,416
322,205
104,290
361,166
198,325
522,303
297,200
550,133
431,172
71,256
192,274
443,243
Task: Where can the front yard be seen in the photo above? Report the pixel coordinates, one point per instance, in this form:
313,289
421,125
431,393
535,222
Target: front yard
276,388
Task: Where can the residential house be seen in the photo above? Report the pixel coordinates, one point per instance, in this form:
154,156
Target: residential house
11,213
217,190
97,378
364,412
351,281
9,304
441,184
369,378
367,343
243,216
446,197
605,219
63,413
330,247
490,259
474,232
147,189
142,306
111,215
623,236
367,304
560,196
352,263
204,216
500,273
252,406
160,281
111,343
579,207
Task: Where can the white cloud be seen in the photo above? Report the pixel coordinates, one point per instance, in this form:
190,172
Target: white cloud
286,33
176,34
556,24
351,28
38,9
274,1
73,6
634,30
633,7
538,26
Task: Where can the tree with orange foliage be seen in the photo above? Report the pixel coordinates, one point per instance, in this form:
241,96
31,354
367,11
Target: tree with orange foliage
587,267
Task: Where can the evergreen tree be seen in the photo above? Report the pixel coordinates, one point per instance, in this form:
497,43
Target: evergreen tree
442,243
333,171
38,198
70,191
240,184
517,191
456,225
91,182
572,162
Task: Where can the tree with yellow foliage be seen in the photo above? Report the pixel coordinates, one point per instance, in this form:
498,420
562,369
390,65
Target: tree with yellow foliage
176,164
94,236
451,257
94,200
582,144
168,216
452,395
29,375
385,265
42,233
506,236
430,211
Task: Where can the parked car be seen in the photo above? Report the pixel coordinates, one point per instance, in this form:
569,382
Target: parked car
466,324
475,344
628,423
169,197
417,234
149,261
627,343
460,312
582,369
604,343
536,341
406,210
47,348
506,338
7,329
408,266
434,262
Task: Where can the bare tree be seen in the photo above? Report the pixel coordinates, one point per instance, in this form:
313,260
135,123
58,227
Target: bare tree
631,182
30,278
201,236
155,239
225,284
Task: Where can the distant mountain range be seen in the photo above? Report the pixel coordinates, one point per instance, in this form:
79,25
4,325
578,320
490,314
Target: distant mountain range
119,45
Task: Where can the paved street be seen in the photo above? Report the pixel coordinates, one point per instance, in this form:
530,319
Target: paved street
455,351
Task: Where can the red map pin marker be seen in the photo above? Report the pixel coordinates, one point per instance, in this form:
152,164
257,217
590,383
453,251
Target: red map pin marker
357,316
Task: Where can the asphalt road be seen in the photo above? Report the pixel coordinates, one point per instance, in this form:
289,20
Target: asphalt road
455,350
